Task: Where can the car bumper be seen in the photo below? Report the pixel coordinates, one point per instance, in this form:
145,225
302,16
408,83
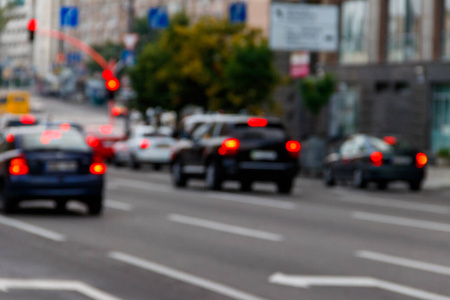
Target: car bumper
261,171
54,187
154,156
390,173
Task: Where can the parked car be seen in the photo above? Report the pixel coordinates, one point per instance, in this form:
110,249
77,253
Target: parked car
241,148
146,145
9,120
362,159
37,163
102,138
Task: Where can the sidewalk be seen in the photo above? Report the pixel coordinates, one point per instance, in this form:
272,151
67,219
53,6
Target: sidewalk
437,178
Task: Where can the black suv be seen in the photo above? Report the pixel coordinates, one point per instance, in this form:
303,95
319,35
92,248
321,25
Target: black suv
240,148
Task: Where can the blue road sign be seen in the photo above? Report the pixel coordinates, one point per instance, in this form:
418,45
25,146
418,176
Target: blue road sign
128,57
238,12
158,18
73,57
69,16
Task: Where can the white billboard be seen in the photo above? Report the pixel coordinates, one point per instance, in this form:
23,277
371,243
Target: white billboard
304,27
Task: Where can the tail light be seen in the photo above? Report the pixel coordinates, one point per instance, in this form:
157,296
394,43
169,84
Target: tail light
377,158
229,147
144,144
421,160
10,138
293,148
27,119
92,141
18,166
98,168
257,122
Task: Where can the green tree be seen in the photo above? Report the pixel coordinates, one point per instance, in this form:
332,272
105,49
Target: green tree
212,64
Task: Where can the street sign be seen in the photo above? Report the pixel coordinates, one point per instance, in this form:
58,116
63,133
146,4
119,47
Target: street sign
130,40
299,64
128,58
304,27
74,57
69,16
238,12
158,18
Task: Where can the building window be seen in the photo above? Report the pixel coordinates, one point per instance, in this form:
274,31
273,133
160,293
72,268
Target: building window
446,32
354,32
404,36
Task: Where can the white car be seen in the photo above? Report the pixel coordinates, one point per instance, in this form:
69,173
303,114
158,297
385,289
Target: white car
146,145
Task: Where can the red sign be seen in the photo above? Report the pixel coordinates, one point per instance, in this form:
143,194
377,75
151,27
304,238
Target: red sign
299,64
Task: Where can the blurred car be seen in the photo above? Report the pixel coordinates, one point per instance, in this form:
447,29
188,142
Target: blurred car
37,163
190,123
146,145
102,138
7,121
240,148
14,102
362,159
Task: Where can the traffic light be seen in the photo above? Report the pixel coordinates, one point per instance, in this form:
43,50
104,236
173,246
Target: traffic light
32,26
112,85
107,74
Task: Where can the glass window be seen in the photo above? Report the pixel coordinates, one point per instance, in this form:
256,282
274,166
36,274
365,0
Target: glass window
405,20
54,140
446,31
354,32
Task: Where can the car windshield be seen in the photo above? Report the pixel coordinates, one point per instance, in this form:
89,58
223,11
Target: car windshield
54,140
269,132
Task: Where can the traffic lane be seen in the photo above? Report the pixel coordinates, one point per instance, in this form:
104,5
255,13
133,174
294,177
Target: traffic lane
30,258
314,242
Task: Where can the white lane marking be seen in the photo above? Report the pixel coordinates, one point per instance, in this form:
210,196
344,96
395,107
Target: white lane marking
404,262
367,282
225,228
147,186
184,277
118,205
443,227
39,231
253,200
392,203
55,285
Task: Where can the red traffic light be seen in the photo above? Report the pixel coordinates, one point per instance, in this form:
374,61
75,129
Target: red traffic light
116,111
107,74
112,84
32,25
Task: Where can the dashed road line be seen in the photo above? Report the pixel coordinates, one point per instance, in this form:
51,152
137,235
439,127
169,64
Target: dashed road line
36,230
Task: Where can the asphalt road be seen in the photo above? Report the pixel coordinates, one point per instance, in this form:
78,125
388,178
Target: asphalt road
155,242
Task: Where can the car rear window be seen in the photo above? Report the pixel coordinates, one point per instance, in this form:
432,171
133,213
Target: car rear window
380,145
17,123
269,132
54,140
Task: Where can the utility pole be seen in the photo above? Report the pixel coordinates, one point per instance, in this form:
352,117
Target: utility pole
130,29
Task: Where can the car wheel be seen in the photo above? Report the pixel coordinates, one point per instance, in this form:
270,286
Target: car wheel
415,185
246,185
10,205
179,178
134,164
285,186
382,185
358,179
213,180
157,167
328,177
95,205
61,206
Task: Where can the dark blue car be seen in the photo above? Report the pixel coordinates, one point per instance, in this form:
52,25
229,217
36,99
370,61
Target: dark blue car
55,164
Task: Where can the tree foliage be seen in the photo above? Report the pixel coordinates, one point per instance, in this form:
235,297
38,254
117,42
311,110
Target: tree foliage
109,50
316,92
212,63
4,14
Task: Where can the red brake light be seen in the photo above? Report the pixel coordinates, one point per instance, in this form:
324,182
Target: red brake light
27,119
10,138
144,144
18,166
377,158
257,122
390,140
116,111
65,127
293,147
421,160
229,147
98,169
92,141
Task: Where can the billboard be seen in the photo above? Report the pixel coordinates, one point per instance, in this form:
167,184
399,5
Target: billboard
304,27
